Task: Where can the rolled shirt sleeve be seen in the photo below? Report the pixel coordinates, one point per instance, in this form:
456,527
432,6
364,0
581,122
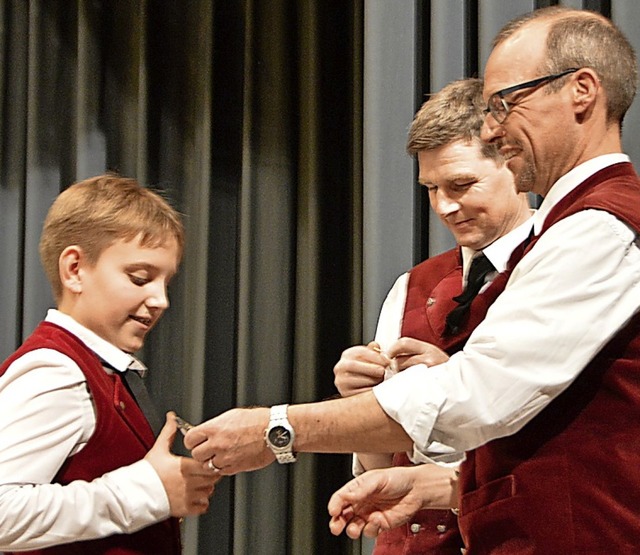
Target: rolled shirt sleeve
562,304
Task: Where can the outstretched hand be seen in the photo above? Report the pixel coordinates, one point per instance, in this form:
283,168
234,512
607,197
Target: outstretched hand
383,499
232,442
188,485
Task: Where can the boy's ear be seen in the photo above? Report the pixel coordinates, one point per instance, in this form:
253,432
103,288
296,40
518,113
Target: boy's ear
69,266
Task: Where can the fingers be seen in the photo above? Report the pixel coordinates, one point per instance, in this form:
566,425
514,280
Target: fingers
359,369
167,435
409,352
194,437
370,528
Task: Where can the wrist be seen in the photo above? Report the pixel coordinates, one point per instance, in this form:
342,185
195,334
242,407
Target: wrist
279,435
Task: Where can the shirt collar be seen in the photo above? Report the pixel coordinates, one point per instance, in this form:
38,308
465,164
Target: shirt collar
569,181
500,250
115,357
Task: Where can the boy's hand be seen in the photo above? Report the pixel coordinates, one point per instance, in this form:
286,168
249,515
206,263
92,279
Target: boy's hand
187,483
359,369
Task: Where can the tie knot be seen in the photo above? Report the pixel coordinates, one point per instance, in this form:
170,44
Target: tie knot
480,267
478,271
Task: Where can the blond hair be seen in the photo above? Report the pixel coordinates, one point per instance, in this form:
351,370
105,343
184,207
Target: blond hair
454,113
93,213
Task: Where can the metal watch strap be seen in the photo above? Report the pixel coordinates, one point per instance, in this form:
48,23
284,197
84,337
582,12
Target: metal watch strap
278,417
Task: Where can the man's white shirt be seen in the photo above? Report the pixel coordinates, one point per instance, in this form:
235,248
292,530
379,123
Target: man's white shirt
564,301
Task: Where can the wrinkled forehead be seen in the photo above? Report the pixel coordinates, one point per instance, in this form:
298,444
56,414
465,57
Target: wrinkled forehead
516,59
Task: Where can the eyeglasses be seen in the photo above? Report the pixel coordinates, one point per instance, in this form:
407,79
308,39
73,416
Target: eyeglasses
498,107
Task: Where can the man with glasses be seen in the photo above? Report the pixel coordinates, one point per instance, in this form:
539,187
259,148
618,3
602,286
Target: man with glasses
428,315
545,396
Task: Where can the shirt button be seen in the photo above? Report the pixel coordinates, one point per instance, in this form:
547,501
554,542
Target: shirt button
415,528
442,528
122,405
431,301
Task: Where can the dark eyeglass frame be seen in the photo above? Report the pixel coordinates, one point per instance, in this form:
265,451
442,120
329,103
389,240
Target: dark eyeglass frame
498,107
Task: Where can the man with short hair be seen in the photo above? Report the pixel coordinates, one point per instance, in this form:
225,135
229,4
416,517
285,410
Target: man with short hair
426,316
545,396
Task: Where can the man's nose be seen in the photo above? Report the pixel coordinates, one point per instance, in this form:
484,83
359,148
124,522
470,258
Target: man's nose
491,129
444,204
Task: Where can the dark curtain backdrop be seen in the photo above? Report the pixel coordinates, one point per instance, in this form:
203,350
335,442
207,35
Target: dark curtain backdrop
277,127
247,113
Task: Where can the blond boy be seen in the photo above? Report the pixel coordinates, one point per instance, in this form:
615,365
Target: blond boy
80,469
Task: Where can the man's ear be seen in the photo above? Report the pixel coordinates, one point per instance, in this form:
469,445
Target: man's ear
586,90
69,265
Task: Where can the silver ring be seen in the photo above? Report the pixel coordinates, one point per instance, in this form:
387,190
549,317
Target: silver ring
211,465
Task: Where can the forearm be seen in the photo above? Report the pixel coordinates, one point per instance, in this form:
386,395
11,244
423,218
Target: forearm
42,515
353,424
512,367
368,461
439,484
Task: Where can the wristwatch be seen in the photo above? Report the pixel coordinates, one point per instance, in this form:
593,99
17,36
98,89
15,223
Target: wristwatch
279,435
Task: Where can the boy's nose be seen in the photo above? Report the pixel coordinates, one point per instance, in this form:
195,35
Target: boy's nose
159,298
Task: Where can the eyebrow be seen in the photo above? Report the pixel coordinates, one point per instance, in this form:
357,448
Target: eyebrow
452,179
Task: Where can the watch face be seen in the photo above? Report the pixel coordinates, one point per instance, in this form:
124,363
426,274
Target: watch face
279,436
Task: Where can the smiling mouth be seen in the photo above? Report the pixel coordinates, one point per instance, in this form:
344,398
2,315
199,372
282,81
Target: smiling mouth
461,223
144,321
508,151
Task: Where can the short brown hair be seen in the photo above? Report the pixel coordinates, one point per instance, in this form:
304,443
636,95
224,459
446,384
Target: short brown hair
582,38
454,113
97,211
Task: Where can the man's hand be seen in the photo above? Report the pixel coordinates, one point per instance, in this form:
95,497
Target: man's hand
187,484
359,369
386,498
232,442
408,352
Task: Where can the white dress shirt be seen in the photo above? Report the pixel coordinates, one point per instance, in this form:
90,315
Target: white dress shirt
566,298
389,328
46,415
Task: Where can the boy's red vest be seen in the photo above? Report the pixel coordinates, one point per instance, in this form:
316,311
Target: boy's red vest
122,437
569,481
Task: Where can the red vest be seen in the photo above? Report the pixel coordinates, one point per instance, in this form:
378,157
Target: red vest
569,481
122,437
430,291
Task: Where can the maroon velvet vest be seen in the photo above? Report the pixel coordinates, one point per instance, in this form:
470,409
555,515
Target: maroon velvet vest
430,291
569,481
122,437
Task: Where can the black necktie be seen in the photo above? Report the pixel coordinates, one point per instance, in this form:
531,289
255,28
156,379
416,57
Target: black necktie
135,383
480,268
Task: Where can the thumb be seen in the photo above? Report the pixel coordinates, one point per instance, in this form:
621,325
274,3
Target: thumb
167,435
375,346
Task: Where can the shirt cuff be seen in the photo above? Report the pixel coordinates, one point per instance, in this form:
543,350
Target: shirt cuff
146,497
413,399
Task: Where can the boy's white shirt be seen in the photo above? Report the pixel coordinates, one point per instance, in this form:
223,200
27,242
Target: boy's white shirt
46,415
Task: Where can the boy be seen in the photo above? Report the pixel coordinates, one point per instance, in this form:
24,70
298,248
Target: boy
79,468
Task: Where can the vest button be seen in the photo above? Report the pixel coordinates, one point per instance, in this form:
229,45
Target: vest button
122,405
415,528
431,301
441,528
